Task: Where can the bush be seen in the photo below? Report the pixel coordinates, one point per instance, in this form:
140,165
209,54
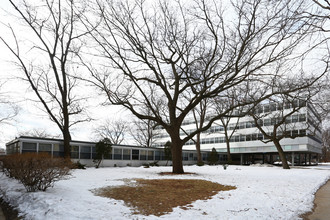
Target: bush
201,163
36,171
79,165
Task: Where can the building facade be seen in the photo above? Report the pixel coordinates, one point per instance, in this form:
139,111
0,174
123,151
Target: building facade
84,152
247,144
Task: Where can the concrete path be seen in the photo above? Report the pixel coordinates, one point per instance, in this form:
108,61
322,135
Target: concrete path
321,209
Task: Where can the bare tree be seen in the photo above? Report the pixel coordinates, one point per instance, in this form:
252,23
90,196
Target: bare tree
199,113
48,61
8,110
159,52
281,118
40,133
114,130
144,132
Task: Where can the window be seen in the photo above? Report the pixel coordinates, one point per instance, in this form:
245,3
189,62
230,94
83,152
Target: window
150,155
259,109
295,133
242,138
280,106
58,150
248,137
159,155
85,152
254,137
135,154
237,138
143,155
288,119
302,103
266,108
117,153
29,147
287,105
294,118
302,117
222,139
241,125
273,107
248,124
126,154
295,103
267,122
273,121
75,152
260,136
45,147
302,132
184,156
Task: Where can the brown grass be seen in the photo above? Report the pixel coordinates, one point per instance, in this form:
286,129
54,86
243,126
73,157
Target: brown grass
160,196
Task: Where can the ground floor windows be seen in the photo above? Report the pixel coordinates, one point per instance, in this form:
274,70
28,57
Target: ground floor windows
29,147
135,154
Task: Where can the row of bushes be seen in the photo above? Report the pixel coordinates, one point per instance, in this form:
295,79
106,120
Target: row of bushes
36,171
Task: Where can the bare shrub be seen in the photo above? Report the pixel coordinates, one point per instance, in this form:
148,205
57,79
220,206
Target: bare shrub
36,171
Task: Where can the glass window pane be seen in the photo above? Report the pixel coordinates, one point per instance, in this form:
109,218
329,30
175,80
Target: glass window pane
29,147
45,147
117,153
135,154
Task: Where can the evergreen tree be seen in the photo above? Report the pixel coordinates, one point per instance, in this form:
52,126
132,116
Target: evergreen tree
213,157
103,149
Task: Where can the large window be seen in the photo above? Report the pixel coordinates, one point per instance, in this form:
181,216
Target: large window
45,148
29,147
75,152
85,152
143,155
117,153
159,155
58,150
135,154
150,155
126,154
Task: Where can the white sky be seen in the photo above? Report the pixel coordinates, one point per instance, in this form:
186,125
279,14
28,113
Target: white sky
30,116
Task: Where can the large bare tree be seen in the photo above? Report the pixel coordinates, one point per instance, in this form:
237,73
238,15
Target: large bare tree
155,53
113,130
46,59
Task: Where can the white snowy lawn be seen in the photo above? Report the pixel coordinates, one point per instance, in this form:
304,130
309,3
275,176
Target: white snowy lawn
262,193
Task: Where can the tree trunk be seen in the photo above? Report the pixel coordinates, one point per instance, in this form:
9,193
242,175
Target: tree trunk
176,148
66,142
229,161
282,155
198,149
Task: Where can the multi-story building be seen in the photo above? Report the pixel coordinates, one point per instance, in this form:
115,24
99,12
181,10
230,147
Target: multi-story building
247,143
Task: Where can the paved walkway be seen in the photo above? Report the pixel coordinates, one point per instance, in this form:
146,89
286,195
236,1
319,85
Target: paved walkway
321,209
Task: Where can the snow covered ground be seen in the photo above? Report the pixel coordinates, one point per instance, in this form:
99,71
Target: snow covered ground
262,193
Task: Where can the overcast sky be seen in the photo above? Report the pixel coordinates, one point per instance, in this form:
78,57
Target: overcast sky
30,116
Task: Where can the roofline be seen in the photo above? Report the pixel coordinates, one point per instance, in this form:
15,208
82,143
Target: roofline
17,139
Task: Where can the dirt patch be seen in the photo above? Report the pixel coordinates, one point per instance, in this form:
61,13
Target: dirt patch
160,196
175,174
